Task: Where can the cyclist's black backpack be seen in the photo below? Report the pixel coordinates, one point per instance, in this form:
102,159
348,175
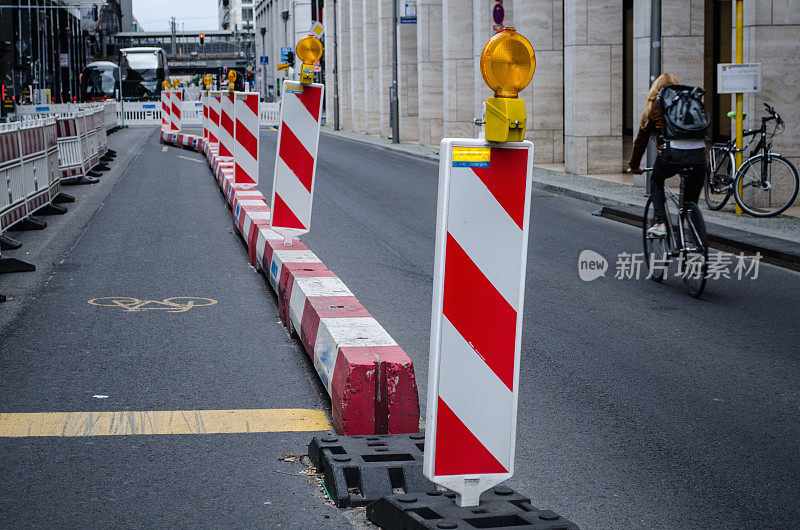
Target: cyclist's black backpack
684,111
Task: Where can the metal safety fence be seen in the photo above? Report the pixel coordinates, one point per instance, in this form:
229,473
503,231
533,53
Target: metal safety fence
142,112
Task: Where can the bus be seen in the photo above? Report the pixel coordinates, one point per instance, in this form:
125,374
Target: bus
143,70
99,81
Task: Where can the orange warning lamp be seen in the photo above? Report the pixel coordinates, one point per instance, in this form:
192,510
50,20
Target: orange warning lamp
231,80
207,80
308,50
507,66
166,84
176,82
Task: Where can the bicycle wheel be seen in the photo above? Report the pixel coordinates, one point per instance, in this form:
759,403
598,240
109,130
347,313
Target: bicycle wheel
719,175
768,198
694,257
655,248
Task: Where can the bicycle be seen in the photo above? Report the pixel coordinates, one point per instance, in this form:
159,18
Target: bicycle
687,241
765,185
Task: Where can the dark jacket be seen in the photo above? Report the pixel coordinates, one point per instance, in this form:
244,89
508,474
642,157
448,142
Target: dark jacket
655,125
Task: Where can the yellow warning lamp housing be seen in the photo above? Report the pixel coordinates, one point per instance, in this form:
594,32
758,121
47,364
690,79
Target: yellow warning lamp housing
308,50
507,66
207,80
166,84
231,80
176,82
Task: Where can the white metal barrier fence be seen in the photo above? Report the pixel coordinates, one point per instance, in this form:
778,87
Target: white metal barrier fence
29,177
142,112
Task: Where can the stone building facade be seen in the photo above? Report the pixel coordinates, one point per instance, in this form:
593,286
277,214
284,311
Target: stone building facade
591,75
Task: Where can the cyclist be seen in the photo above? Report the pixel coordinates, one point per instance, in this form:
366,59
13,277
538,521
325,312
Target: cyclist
673,155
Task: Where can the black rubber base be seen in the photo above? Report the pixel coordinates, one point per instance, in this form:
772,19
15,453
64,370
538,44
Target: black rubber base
361,469
8,265
106,158
51,209
7,243
500,507
101,167
30,223
74,181
63,198
94,174
2,298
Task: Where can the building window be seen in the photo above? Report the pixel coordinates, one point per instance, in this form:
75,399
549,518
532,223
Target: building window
247,13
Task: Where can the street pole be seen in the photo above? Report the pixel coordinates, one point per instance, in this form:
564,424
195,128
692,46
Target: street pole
739,96
393,103
655,71
335,69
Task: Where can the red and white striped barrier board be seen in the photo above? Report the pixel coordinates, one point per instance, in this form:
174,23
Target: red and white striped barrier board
204,105
296,159
226,126
166,108
175,98
214,104
245,151
476,324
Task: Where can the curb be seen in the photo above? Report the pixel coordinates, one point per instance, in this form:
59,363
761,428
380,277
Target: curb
368,376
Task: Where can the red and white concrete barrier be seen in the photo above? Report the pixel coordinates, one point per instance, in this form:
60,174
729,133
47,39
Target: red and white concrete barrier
476,325
296,158
368,376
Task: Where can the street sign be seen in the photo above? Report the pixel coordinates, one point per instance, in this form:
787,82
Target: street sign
318,30
738,78
476,325
63,60
264,59
285,51
282,66
407,11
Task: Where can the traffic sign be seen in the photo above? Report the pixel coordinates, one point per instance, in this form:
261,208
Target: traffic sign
283,66
476,325
264,59
318,30
285,51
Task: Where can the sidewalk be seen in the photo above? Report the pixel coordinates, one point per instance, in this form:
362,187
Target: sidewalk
779,235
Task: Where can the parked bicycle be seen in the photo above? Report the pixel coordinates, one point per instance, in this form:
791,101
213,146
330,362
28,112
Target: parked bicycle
765,185
685,243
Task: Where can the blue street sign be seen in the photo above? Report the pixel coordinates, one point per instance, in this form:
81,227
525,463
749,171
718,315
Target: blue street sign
285,50
264,59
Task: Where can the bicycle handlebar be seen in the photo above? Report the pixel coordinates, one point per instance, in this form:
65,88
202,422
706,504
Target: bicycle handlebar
775,116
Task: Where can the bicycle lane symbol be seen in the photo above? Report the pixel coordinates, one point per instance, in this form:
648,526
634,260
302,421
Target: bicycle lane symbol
177,304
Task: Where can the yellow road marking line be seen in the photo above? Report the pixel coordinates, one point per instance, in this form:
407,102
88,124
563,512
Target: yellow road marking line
188,158
164,148
21,424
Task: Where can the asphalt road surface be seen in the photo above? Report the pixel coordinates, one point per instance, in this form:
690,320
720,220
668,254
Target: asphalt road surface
639,406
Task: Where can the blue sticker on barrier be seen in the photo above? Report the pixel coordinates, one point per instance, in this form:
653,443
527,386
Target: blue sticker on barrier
42,109
148,106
